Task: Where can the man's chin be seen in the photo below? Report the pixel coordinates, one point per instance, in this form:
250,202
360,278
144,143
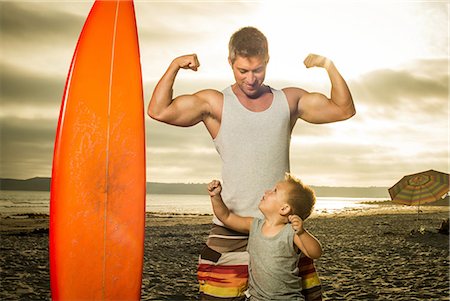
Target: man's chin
251,93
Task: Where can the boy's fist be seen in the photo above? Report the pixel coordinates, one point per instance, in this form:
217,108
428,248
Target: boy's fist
297,223
214,188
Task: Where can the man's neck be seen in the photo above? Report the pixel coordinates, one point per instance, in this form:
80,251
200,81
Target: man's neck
262,103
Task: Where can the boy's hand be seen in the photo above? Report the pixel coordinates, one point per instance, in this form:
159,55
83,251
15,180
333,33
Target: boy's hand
214,188
297,223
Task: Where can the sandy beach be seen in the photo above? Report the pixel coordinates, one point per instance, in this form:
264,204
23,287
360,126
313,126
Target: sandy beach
368,255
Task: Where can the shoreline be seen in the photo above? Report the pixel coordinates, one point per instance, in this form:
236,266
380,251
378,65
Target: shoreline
29,222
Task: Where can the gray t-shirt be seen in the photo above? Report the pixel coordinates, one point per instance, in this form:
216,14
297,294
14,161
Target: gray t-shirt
273,265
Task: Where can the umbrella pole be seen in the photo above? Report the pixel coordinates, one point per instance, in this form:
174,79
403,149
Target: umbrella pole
418,211
417,218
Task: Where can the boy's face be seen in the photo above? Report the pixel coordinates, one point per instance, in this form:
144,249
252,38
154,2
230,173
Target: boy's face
274,199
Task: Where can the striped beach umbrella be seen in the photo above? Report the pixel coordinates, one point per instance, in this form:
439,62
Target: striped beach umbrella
420,188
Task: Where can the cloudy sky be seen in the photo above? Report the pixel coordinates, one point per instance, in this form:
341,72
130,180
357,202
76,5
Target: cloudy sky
394,55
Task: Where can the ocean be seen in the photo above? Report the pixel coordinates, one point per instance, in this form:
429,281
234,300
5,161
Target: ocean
37,202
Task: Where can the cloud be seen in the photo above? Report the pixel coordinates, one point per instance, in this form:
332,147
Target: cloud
26,147
26,23
180,154
354,164
161,135
189,166
39,40
21,87
197,18
421,87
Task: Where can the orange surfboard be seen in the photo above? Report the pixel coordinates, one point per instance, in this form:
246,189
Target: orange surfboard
97,203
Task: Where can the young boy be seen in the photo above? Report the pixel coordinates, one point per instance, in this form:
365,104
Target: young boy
273,244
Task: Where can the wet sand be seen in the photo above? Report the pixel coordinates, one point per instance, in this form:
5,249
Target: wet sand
368,255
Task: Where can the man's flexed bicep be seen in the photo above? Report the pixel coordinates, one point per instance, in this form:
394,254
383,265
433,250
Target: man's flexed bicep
316,107
184,110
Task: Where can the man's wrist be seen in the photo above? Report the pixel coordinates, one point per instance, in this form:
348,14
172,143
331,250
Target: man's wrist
328,64
174,66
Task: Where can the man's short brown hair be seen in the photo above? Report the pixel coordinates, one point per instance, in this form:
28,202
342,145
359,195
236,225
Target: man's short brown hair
301,197
248,42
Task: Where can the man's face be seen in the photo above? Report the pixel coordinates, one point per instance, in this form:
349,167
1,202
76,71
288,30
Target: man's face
249,73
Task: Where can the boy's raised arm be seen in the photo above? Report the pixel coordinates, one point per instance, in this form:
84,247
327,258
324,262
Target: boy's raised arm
228,218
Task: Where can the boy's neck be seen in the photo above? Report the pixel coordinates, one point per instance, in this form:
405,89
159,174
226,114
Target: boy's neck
273,225
276,219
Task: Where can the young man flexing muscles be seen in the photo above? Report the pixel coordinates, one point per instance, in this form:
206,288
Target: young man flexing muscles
251,125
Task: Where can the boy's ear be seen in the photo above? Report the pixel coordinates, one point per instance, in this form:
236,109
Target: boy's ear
285,210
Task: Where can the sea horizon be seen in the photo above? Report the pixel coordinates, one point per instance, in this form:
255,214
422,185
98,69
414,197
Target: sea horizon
16,202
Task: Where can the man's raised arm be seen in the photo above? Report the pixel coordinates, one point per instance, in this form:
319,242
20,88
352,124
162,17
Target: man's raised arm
316,107
184,110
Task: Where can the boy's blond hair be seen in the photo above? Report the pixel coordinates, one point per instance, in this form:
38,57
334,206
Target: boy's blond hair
301,197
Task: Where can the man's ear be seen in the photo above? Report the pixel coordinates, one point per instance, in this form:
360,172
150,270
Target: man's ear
229,62
285,210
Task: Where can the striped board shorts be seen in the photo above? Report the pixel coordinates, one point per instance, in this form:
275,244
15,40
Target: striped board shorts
223,268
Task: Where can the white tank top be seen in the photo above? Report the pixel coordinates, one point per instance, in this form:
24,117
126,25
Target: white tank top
254,148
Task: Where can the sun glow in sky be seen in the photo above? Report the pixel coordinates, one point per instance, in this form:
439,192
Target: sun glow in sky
393,54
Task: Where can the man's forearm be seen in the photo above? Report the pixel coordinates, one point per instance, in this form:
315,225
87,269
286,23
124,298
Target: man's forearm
163,93
340,93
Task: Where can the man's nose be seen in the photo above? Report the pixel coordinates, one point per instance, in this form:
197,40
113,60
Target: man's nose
251,78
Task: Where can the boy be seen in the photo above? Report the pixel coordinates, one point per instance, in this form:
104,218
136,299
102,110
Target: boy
273,245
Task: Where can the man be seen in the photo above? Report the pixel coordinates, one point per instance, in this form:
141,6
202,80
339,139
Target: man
250,124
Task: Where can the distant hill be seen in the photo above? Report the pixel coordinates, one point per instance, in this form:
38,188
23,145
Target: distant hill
34,184
43,184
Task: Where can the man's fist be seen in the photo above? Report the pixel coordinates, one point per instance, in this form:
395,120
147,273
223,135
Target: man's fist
189,61
315,60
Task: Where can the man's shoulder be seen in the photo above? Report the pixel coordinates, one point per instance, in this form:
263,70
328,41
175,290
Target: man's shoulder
209,94
294,94
294,90
213,100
